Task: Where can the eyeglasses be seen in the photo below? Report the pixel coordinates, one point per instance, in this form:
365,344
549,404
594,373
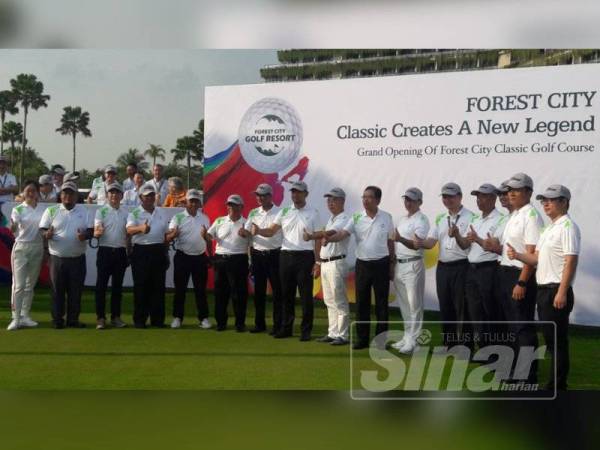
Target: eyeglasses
546,200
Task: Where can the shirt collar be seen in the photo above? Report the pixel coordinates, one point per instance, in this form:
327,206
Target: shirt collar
561,219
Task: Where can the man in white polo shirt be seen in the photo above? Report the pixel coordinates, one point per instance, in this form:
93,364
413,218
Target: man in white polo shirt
111,259
99,192
481,301
8,182
47,194
188,230
265,253
66,228
130,171
409,278
448,229
58,174
375,264
556,257
160,184
131,197
230,264
334,270
297,260
148,226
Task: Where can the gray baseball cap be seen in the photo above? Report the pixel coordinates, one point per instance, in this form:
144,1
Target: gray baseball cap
193,194
263,189
451,189
114,186
413,193
58,170
485,188
45,179
147,189
520,180
69,185
299,186
235,199
555,191
71,176
110,168
336,192
503,188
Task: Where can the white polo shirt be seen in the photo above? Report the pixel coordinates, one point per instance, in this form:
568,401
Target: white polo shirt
27,220
114,222
161,187
522,228
98,191
264,219
158,221
484,225
66,223
559,239
190,240
293,222
225,232
131,197
407,227
372,234
336,223
449,249
50,197
6,181
128,183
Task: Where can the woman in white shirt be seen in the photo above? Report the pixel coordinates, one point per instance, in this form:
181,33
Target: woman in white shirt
26,256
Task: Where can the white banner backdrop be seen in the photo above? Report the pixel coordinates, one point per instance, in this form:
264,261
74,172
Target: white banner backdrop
416,130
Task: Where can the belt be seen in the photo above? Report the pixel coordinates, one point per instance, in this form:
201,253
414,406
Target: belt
481,265
234,255
296,252
549,286
407,260
265,252
510,268
333,258
458,262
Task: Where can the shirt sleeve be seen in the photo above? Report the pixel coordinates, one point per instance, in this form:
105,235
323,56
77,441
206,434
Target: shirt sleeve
533,227
213,229
89,217
131,220
318,225
434,231
15,217
340,224
570,238
391,229
98,217
349,226
173,222
278,217
12,181
46,220
422,228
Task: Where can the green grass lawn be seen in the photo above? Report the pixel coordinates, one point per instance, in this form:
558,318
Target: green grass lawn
191,358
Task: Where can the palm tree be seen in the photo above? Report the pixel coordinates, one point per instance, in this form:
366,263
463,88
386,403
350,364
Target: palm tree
199,136
155,151
8,105
132,155
28,91
73,122
11,132
187,148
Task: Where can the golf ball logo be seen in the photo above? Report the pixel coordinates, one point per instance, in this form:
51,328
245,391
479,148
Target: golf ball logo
270,135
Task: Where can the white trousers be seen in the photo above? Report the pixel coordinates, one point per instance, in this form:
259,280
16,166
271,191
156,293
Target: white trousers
409,286
333,282
26,261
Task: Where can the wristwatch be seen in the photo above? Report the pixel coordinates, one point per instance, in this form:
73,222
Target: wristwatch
521,283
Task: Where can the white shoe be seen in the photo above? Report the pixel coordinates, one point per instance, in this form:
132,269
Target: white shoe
176,323
398,345
13,325
205,324
27,322
408,348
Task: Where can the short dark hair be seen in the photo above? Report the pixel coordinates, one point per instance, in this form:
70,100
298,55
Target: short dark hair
376,191
132,164
34,182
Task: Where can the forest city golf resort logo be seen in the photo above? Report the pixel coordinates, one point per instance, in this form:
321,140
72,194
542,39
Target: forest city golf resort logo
270,135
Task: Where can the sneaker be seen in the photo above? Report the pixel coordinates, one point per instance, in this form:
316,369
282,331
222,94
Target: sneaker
205,324
325,338
176,323
27,322
339,341
407,349
118,323
12,326
100,324
398,345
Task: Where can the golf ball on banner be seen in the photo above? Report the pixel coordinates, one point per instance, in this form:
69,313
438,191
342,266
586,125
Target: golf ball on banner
270,135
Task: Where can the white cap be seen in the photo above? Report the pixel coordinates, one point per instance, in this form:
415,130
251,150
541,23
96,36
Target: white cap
147,189
193,194
110,168
58,169
114,186
45,179
235,199
69,185
555,191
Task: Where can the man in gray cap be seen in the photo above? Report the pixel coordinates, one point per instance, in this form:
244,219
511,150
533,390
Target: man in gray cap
334,269
66,228
58,174
111,259
556,256
47,194
481,302
517,279
99,192
297,260
265,254
8,182
409,276
188,229
451,271
230,264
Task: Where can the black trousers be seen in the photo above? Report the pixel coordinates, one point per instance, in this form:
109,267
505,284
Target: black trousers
196,267
450,280
110,263
374,275
517,311
482,304
548,313
231,280
265,267
295,270
149,265
67,276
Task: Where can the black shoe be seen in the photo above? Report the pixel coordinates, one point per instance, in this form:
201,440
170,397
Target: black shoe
273,332
282,335
360,345
258,330
59,325
339,341
240,329
159,325
305,338
76,325
221,328
139,325
325,338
